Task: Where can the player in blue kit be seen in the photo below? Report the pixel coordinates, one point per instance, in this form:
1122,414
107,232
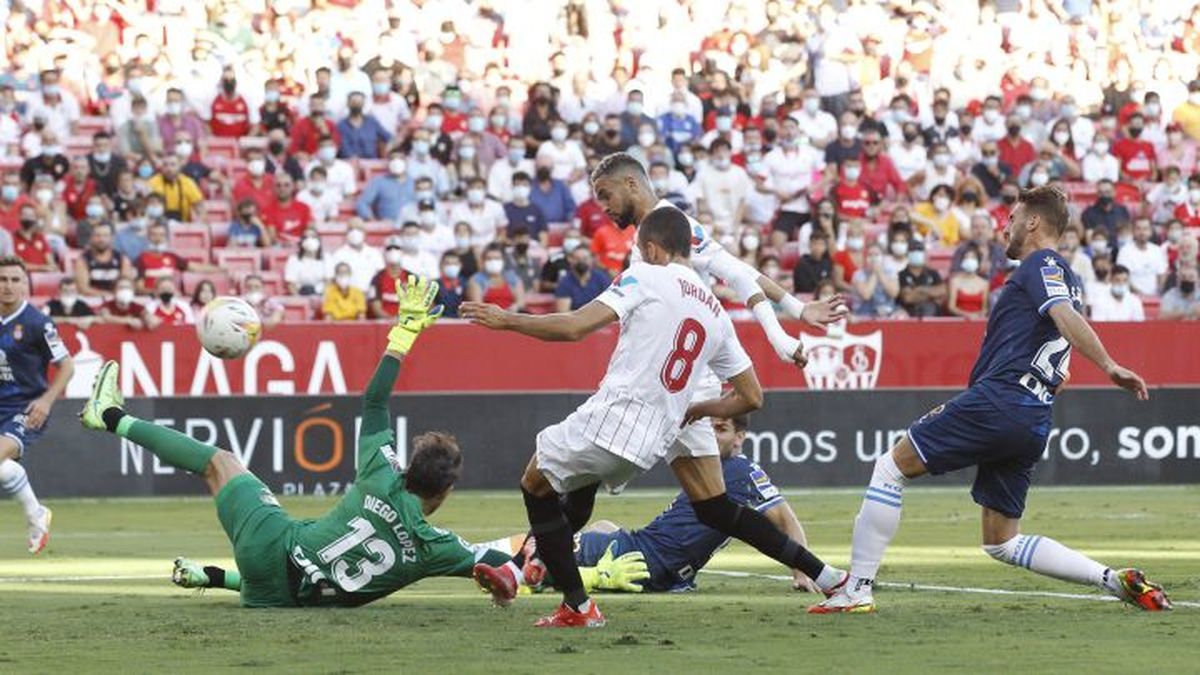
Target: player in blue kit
1000,423
29,343
676,545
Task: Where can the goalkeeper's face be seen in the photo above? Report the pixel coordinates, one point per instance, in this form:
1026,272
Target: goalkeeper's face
729,437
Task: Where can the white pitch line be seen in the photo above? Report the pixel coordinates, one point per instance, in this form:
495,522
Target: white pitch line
950,589
100,577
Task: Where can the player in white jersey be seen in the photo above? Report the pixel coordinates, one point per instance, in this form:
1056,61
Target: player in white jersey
672,328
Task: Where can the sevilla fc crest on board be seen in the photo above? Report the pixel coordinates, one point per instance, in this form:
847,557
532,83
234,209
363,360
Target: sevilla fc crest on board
844,362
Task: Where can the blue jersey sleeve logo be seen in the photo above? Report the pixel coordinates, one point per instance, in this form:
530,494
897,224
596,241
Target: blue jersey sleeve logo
1054,280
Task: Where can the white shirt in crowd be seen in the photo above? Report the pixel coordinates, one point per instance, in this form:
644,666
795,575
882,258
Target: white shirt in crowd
722,192
364,262
324,206
1095,168
567,158
305,272
908,161
1107,307
421,263
339,177
1145,266
499,179
791,171
486,220
821,126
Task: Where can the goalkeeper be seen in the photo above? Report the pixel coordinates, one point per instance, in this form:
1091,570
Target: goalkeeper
373,542
676,545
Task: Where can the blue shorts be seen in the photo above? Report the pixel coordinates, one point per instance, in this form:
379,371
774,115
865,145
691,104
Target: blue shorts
590,547
1003,441
12,424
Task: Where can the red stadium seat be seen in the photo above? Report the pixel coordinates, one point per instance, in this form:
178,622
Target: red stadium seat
69,258
239,261
369,168
296,308
539,303
789,255
331,241
219,280
45,283
276,258
218,211
78,145
219,231
194,255
223,147
191,236
90,124
274,285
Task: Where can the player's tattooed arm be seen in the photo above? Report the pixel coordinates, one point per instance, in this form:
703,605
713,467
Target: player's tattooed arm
558,327
1072,326
745,397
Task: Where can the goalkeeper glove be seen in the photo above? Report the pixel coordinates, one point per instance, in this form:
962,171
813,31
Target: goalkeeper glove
415,312
623,573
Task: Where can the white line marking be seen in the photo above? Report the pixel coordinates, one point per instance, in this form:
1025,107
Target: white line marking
99,577
950,589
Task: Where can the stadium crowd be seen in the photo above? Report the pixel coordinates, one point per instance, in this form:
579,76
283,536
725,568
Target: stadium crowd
305,155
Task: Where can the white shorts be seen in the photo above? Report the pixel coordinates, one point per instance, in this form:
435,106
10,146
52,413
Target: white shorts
698,438
570,461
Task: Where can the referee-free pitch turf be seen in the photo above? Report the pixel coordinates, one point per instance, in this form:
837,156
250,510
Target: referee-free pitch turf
99,599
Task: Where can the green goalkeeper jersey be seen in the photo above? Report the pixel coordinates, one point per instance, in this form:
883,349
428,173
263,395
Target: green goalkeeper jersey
375,540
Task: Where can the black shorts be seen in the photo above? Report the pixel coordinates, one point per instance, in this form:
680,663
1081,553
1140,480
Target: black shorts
789,222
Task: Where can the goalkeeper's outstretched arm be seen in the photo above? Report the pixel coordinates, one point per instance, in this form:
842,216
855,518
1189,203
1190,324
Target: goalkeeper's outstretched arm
416,313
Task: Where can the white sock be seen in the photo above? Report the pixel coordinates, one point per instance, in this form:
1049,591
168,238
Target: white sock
516,572
14,481
877,520
829,577
1046,556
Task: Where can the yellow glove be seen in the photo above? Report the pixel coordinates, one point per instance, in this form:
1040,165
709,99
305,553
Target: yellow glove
415,313
623,573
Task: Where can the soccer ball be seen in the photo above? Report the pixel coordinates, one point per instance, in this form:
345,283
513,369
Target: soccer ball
228,327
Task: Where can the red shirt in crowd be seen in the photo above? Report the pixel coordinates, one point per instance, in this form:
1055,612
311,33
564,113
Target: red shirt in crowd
1190,217
454,122
177,314
76,196
612,246
153,265
846,260
262,196
230,117
879,174
10,215
1016,154
1000,214
33,250
306,135
383,289
288,220
134,309
1137,157
592,218
851,199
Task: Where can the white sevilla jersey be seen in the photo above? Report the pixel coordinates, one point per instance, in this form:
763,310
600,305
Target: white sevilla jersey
673,331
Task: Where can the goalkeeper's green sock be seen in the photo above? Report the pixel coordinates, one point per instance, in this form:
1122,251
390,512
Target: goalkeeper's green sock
173,447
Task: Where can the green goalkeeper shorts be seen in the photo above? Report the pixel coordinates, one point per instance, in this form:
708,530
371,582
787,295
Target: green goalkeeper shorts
259,530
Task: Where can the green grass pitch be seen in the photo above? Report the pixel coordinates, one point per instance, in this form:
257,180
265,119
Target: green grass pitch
60,614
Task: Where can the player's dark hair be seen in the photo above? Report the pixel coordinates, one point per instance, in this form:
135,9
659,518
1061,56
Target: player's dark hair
12,261
617,164
1050,203
434,466
740,423
668,227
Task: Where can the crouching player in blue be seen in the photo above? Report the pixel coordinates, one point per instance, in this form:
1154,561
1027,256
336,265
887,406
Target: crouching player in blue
1000,423
676,545
29,343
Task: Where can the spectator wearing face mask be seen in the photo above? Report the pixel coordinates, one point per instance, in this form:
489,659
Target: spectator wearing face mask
29,244
1137,157
339,174
496,285
1015,150
874,288
789,169
231,116
847,146
922,291
813,266
123,308
132,239
363,259
362,135
247,229
182,198
412,258
524,256
939,218
79,187
382,301
168,308
677,126
558,263
466,252
968,288
104,166
820,126
502,172
270,310
305,270
990,171
13,201
562,155
849,257
991,125
100,267
274,113
908,152
386,194
1165,197
467,164
156,260
1070,248
55,104
722,188
451,286
1105,214
1099,164
1182,301
524,213
179,123
323,202
582,282
138,136
203,294
279,158
285,217
660,180
850,196
485,216
308,130
50,161
343,300
552,196
1145,261
68,307
256,184
1118,303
